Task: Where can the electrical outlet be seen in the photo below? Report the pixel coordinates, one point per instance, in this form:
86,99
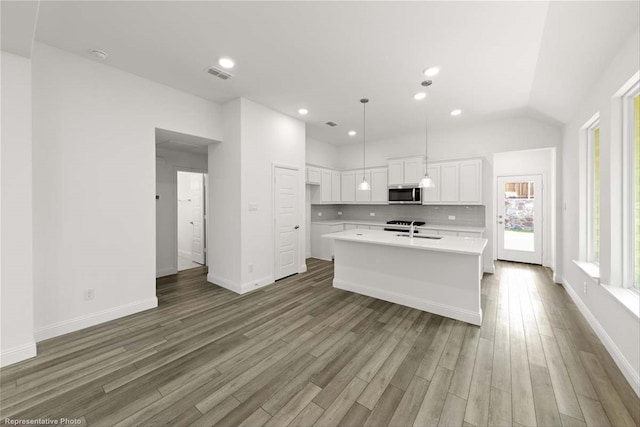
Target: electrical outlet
372,214
585,287
250,267
319,213
253,207
452,217
89,294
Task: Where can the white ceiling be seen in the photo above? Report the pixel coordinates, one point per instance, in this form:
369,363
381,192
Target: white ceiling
495,57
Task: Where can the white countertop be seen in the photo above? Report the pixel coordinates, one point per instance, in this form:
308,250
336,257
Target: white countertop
384,224
461,245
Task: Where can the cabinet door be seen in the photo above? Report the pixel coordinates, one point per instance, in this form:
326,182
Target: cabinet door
379,186
333,229
432,195
325,187
348,187
335,186
449,182
363,196
350,227
313,175
471,181
396,172
363,227
413,170
447,233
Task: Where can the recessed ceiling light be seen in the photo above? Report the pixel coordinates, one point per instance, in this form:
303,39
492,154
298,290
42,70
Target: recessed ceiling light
456,112
100,54
227,63
431,71
303,111
419,96
352,133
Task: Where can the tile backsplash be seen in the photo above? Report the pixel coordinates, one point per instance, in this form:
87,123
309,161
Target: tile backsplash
470,216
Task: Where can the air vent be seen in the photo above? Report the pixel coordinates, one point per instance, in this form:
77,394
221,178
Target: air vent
219,73
332,124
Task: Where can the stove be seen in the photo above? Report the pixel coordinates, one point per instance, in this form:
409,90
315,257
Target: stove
403,222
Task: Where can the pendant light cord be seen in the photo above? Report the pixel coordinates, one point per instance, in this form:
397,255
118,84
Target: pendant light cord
364,138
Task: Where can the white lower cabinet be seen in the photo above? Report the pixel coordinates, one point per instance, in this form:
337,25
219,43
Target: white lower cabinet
363,227
350,226
323,248
447,233
469,234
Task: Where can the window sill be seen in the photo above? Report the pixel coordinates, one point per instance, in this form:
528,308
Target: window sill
627,297
590,269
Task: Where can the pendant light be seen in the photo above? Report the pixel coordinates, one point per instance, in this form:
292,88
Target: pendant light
364,185
426,181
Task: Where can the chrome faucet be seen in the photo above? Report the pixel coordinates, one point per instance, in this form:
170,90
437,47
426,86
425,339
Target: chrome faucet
412,230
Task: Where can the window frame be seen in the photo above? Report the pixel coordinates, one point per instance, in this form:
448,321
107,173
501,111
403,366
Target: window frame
592,236
628,187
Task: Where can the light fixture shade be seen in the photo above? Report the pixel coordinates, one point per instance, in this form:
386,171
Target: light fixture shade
426,182
364,185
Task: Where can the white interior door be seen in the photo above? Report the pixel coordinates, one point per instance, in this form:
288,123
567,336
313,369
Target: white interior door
287,222
519,219
197,218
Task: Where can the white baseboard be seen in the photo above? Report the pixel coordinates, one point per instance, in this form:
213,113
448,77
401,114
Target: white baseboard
224,283
421,304
166,272
239,288
623,364
17,354
92,319
303,268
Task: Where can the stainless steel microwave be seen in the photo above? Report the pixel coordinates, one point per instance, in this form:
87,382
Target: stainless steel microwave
405,195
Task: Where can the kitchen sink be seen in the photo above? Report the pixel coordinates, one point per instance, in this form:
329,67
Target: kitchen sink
421,237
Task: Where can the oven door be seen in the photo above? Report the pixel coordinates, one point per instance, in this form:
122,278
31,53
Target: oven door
405,196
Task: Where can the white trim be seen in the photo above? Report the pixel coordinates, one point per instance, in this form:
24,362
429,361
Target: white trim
92,319
239,288
224,283
623,364
302,268
17,354
413,302
166,272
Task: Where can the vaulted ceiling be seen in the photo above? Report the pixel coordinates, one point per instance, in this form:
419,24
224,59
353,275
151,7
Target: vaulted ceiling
496,58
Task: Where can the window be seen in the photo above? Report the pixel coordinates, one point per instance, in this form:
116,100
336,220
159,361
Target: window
631,188
593,192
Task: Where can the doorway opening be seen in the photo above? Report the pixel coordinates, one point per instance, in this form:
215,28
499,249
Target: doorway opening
191,226
520,218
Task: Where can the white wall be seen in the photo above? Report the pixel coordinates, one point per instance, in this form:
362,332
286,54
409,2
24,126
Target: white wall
617,327
477,140
530,162
16,244
94,186
320,153
256,138
167,162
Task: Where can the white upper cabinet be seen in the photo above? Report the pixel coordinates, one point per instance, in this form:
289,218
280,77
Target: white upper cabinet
335,186
406,170
457,182
313,175
471,181
325,186
363,196
432,194
379,185
348,192
449,182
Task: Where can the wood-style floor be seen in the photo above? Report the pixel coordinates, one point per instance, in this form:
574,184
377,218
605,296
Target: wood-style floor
302,353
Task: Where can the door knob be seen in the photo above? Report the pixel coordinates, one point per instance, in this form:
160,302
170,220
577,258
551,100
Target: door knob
191,222
296,227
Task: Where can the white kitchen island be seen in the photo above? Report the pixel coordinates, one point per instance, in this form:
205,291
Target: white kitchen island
440,276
